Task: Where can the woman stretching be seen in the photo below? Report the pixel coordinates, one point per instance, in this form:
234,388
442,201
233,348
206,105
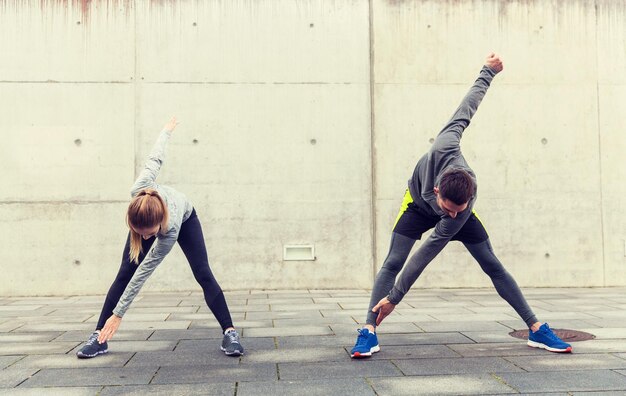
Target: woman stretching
158,216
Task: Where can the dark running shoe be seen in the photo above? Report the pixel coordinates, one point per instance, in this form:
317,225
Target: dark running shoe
92,348
231,345
546,339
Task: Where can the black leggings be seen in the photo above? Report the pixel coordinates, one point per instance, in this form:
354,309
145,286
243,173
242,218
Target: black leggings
483,253
191,241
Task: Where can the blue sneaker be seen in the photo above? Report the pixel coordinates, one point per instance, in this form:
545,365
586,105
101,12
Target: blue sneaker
366,344
546,339
92,348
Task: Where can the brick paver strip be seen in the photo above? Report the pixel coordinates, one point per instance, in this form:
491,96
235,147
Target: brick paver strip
250,344
185,358
345,369
225,389
54,391
215,373
121,335
19,348
568,362
414,352
440,385
322,387
438,366
91,376
566,381
71,361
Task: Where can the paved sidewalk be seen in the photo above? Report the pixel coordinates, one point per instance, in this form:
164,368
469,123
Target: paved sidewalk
452,341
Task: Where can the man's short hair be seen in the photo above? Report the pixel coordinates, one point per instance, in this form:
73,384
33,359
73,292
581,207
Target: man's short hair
457,186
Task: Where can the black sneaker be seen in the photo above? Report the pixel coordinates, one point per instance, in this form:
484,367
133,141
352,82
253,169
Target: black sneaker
231,345
92,348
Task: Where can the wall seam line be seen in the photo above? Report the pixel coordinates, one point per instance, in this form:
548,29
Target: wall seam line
372,139
598,119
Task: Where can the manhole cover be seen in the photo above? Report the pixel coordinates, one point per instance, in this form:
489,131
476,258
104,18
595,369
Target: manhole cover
564,334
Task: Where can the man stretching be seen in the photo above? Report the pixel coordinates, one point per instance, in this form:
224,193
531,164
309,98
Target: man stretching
441,194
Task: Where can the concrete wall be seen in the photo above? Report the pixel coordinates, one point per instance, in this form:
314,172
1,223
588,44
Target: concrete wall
301,121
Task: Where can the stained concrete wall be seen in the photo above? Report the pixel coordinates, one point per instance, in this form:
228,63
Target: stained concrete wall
301,121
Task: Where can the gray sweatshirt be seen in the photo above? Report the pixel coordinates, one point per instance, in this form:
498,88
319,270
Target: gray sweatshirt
444,154
179,210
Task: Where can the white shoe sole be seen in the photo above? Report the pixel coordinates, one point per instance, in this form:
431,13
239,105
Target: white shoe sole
235,353
535,344
81,356
373,349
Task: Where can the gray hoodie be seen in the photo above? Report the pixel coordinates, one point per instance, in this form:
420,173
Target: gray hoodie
179,209
444,154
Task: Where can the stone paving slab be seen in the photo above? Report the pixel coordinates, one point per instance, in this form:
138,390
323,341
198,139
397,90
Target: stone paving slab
11,377
132,316
59,391
321,387
170,390
401,318
455,365
459,312
71,361
422,338
363,300
91,376
566,381
386,327
196,324
10,326
413,352
14,308
315,342
599,346
20,348
116,346
463,326
6,361
55,326
317,321
121,335
184,334
75,318
202,316
555,324
601,333
250,344
512,349
564,362
29,337
288,331
213,356
315,307
485,337
319,354
280,302
169,324
249,308
293,314
491,317
216,373
483,384
343,369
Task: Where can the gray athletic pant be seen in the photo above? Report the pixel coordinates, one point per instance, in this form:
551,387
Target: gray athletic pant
483,253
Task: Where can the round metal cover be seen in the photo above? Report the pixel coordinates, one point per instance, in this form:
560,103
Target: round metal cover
564,334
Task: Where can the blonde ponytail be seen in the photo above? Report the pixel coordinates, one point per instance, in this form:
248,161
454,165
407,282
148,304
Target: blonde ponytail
146,210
